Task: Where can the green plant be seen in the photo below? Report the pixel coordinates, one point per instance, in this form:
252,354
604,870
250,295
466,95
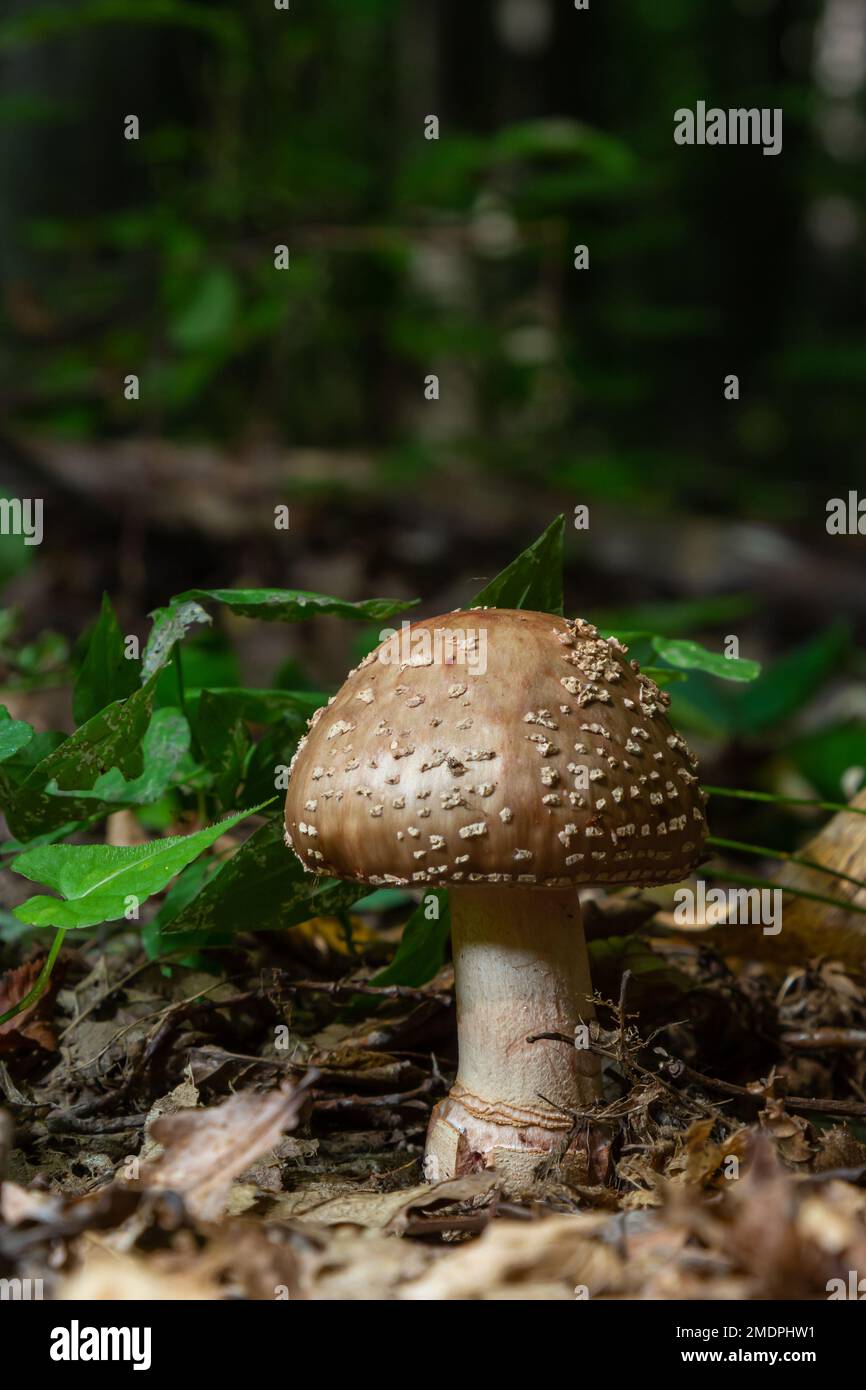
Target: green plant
155,741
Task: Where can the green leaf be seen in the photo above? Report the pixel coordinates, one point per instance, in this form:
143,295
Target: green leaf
170,625
51,837
792,681
164,747
41,659
112,738
533,580
423,946
383,900
702,705
182,891
45,22
274,749
263,887
209,311
823,757
264,706
14,734
209,663
17,766
664,677
676,617
223,740
691,656
106,674
294,605
96,881
556,137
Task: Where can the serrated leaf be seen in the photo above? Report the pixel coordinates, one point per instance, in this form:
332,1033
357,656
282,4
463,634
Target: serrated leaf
96,881
106,674
691,656
533,580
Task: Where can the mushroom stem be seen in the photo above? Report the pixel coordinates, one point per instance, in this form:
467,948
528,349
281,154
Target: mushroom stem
521,967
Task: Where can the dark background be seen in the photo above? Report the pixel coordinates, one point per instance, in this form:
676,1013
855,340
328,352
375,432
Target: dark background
558,387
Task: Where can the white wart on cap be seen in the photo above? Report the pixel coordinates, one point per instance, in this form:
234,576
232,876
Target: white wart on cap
532,753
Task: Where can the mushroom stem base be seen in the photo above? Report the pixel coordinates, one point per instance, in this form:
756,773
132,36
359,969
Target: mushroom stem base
460,1140
521,968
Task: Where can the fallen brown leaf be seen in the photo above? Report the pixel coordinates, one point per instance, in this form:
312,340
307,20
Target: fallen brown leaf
384,1211
31,1025
205,1150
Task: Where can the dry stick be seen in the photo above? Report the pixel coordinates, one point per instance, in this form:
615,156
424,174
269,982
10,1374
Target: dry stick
154,1013
430,1227
338,987
335,1104
676,1069
66,1123
825,1037
803,1104
632,1069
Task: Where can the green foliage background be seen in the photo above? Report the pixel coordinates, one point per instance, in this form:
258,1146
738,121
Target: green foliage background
306,127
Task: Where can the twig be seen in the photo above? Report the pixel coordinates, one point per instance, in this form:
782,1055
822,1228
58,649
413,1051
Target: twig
802,1104
825,1037
335,1104
64,1123
340,987
154,1013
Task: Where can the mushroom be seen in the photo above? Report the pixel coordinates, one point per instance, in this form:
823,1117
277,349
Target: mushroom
510,756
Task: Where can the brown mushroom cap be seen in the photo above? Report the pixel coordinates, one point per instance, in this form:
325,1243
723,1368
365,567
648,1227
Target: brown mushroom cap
510,747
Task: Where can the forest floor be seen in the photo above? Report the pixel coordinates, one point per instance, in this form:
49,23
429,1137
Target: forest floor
252,1126
259,1134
